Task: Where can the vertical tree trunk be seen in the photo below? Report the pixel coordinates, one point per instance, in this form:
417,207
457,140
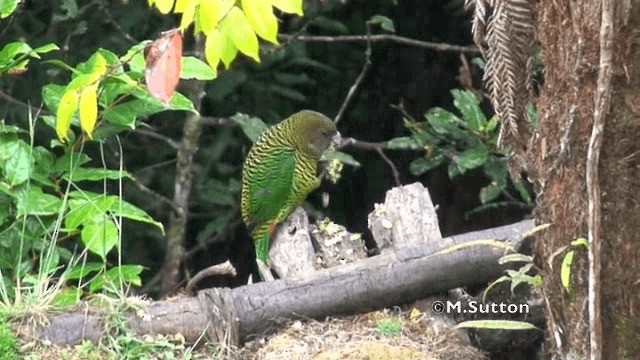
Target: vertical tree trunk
571,41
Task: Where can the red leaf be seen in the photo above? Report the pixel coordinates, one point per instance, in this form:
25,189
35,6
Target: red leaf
163,58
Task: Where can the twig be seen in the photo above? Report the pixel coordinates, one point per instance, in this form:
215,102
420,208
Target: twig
394,170
206,242
154,135
157,196
602,103
216,121
221,269
384,37
359,144
10,99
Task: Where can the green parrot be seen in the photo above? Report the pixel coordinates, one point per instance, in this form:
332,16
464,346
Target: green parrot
280,171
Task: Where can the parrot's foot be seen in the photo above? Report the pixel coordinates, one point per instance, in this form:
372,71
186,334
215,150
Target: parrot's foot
265,271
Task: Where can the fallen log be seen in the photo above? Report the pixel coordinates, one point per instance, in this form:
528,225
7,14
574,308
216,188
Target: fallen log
235,315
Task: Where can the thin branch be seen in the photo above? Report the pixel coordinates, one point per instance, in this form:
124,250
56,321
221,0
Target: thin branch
382,38
109,18
154,135
394,170
216,121
157,196
359,144
202,245
221,269
11,100
602,103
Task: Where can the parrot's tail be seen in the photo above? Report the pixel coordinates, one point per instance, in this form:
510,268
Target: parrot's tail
261,236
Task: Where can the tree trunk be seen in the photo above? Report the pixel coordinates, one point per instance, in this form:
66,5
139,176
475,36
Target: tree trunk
381,281
575,38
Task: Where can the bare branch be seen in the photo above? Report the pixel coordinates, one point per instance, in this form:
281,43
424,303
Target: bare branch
221,269
382,38
216,121
394,170
154,194
155,135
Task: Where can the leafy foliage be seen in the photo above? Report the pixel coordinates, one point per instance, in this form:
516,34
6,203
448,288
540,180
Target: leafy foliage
464,143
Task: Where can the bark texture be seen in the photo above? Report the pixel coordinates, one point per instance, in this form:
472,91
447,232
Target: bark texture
570,35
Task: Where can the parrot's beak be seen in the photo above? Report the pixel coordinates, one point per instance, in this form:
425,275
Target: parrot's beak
336,140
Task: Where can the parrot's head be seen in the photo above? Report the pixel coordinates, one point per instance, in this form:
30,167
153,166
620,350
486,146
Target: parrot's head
317,132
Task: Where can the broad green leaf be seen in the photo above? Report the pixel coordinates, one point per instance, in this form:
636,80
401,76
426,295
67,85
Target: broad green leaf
96,174
100,236
384,22
18,161
422,165
46,48
130,274
99,65
251,126
213,49
565,270
82,270
34,201
7,7
403,143
194,68
68,161
164,6
289,6
241,33
472,158
85,210
10,50
88,108
66,109
491,192
261,18
469,106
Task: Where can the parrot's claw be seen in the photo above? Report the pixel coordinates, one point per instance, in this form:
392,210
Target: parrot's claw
264,270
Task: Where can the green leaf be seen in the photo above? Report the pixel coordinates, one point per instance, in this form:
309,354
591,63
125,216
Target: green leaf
66,110
81,271
469,106
194,68
261,18
46,48
68,161
9,51
213,49
580,242
289,6
384,22
18,166
241,33
421,165
84,211
100,236
565,270
517,257
96,174
523,191
7,7
496,325
33,201
252,126
472,158
491,192
404,143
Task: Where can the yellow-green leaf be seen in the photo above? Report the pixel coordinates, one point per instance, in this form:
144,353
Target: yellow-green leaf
187,13
241,33
89,109
151,2
229,51
565,270
164,6
211,12
289,6
213,49
66,109
260,15
80,82
99,65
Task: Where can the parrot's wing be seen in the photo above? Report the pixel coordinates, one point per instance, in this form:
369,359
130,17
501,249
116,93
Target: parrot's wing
273,190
